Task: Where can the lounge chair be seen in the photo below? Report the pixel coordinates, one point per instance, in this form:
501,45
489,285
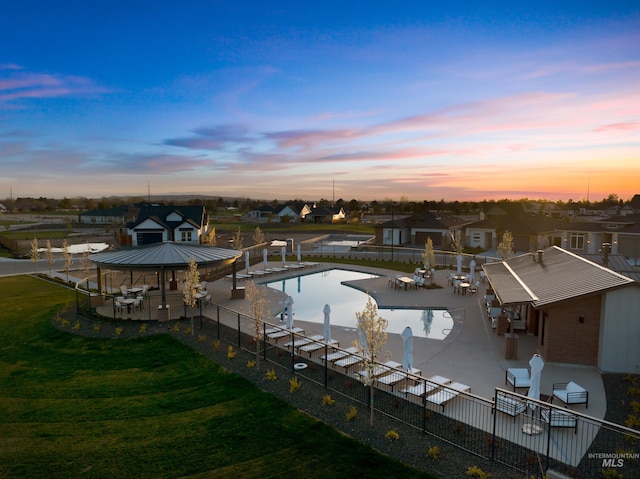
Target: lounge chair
559,418
317,345
298,343
447,393
396,377
349,361
571,393
378,370
278,333
331,357
518,378
426,387
509,405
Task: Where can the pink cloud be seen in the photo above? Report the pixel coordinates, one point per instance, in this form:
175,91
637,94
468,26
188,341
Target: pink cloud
614,127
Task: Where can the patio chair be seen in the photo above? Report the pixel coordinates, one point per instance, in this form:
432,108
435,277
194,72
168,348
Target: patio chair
297,343
571,393
509,405
559,418
318,345
397,377
334,356
518,378
123,290
349,361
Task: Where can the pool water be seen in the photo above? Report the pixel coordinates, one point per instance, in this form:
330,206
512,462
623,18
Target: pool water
311,292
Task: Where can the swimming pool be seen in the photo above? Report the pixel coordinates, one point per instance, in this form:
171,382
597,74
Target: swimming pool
311,292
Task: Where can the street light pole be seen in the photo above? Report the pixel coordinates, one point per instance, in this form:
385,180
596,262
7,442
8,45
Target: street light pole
392,232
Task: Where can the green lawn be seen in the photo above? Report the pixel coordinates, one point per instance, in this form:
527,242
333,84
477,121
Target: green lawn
148,407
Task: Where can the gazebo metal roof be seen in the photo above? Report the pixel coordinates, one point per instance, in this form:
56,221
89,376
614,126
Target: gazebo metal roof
168,256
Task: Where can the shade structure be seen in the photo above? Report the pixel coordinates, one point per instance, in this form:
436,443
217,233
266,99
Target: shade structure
536,363
472,270
163,257
459,267
407,356
327,323
283,252
265,257
289,303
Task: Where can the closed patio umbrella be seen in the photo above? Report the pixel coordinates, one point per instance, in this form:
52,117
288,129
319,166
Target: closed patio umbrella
407,357
299,253
246,260
459,269
536,363
283,251
289,303
327,323
363,340
472,267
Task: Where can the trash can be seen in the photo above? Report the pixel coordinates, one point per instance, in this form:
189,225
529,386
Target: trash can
511,346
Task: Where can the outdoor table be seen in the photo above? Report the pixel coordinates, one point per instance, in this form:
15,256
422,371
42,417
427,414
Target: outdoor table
463,287
406,281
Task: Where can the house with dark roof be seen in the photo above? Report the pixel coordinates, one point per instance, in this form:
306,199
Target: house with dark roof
289,213
325,214
580,311
158,223
415,229
530,232
118,215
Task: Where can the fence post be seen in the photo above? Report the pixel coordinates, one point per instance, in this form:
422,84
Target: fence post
264,340
239,337
495,419
326,365
218,320
293,352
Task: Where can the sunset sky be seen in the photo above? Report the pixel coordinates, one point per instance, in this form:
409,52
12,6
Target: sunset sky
281,100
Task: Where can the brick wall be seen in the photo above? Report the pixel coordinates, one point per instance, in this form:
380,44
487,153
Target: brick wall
566,338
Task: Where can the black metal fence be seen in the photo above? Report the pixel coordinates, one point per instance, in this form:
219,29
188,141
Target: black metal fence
533,437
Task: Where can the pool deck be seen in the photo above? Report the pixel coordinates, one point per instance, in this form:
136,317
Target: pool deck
471,354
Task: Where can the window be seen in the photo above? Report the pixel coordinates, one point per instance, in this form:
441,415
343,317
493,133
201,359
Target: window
186,236
576,241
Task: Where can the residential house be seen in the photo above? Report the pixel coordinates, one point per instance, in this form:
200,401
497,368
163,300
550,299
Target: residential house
157,223
581,312
328,214
415,229
118,215
290,213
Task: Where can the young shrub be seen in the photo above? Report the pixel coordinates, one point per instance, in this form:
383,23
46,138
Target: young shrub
231,353
96,327
251,364
434,453
201,338
216,344
176,327
65,322
475,471
143,328
271,375
610,474
351,413
118,331
294,384
76,326
188,330
392,435
327,400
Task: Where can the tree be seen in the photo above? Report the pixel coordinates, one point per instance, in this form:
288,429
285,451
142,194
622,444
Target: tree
68,259
86,264
49,254
190,286
505,248
372,331
258,236
237,239
35,252
428,255
210,237
258,311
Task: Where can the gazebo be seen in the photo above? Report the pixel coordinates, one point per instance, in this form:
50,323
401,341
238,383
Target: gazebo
163,257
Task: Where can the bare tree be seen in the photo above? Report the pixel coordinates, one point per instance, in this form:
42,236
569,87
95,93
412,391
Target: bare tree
86,264
258,236
68,259
35,253
258,311
505,248
49,254
372,330
210,237
190,286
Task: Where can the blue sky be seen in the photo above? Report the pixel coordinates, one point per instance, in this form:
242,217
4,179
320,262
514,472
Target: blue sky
282,100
